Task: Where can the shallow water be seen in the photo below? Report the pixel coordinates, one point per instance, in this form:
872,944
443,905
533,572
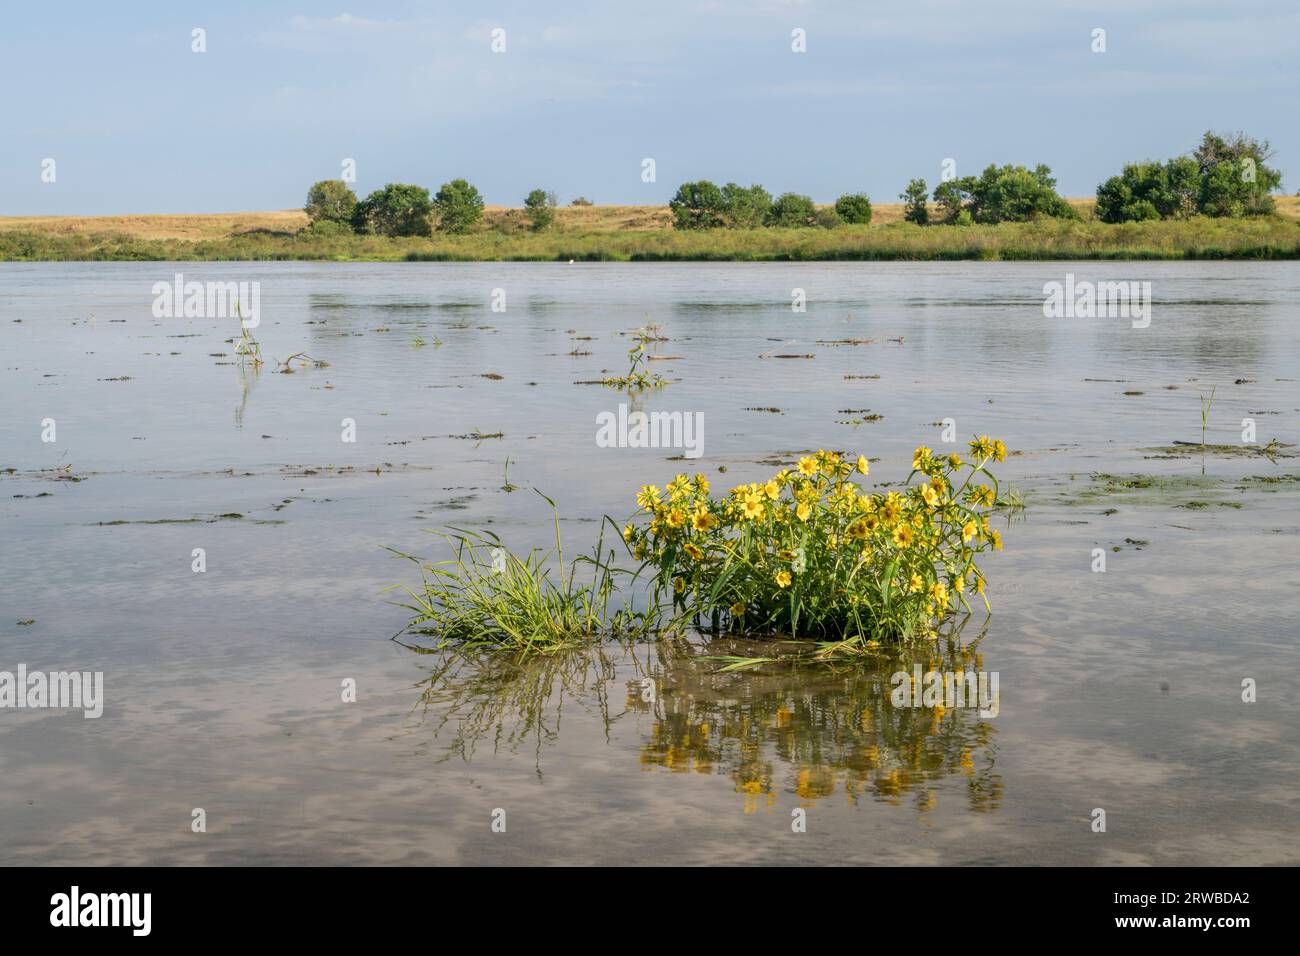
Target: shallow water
1119,690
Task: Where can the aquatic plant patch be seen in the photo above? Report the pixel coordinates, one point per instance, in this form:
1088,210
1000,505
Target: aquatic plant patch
484,595
809,554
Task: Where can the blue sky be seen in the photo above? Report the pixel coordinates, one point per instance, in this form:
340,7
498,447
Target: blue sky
137,123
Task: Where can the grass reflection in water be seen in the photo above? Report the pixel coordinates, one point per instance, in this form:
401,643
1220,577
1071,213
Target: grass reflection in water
814,730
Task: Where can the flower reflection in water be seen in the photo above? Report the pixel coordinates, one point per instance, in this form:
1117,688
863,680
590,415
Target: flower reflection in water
819,730
814,729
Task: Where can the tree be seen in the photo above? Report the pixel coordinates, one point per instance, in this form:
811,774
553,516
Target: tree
1225,176
1234,177
953,196
914,207
698,205
458,205
330,200
539,207
1149,190
792,209
745,207
399,209
1017,194
854,208
1003,194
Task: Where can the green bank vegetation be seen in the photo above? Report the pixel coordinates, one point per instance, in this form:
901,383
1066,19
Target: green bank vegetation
1216,203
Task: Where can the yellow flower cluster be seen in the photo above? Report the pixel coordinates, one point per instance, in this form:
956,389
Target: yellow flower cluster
810,551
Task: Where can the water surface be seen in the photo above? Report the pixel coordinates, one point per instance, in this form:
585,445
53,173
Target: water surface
1119,690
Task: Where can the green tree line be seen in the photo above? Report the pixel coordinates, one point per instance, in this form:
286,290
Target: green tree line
1226,176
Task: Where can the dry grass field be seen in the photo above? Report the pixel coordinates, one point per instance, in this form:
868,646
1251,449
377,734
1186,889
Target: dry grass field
580,219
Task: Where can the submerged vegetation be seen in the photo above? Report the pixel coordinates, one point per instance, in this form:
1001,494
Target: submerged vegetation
807,555
638,377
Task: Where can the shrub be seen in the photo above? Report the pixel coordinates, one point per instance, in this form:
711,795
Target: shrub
1004,194
792,209
326,229
1149,190
828,218
330,200
914,206
1016,194
854,208
580,201
745,207
698,205
459,206
809,554
540,209
398,209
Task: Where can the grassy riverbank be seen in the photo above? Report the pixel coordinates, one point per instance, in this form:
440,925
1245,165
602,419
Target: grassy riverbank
644,233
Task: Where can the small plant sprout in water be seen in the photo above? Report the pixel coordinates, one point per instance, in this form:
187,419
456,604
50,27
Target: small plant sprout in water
637,377
247,348
1206,405
508,487
650,332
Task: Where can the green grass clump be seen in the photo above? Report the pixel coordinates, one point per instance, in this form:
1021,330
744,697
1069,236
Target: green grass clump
487,596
